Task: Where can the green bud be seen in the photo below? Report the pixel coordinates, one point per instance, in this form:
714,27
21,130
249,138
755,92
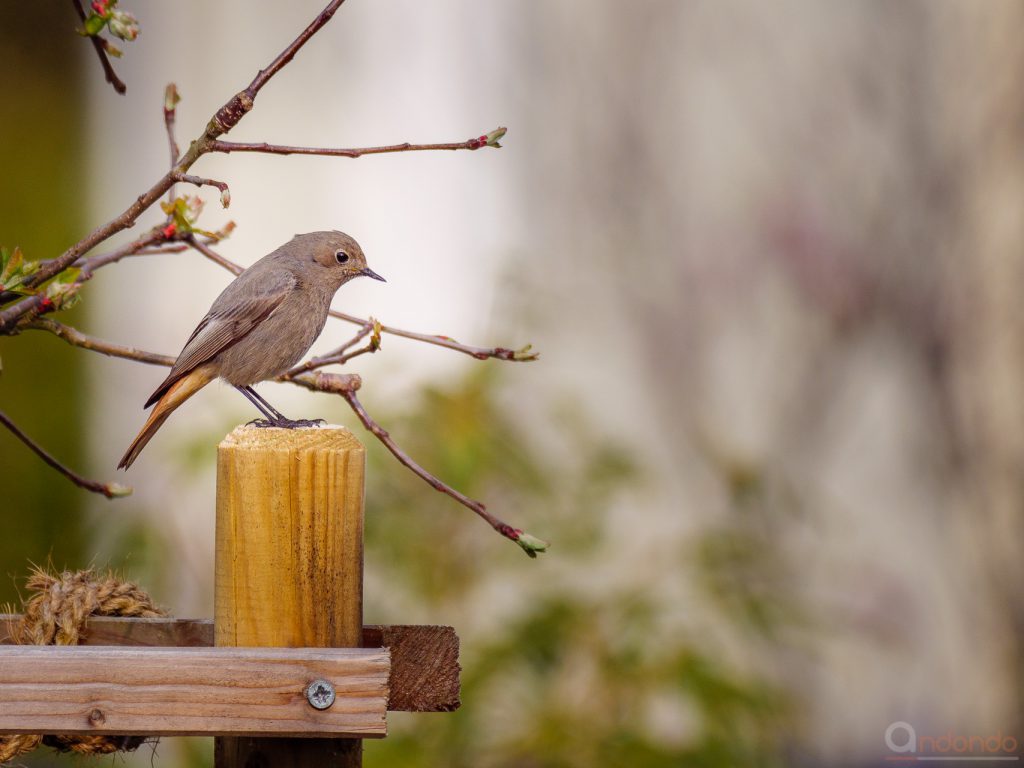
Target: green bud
93,25
495,136
531,544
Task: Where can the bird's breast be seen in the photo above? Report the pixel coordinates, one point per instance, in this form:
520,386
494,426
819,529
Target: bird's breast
278,343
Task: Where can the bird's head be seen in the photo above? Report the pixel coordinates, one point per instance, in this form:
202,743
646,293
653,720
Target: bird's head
337,255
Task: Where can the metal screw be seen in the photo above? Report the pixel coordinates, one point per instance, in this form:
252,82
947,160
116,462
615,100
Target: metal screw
320,693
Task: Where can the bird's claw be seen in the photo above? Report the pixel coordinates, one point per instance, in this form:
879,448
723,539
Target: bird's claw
285,423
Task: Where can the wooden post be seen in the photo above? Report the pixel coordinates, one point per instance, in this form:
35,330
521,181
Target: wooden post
289,563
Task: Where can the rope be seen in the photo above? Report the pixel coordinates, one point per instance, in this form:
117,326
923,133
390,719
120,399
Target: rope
56,615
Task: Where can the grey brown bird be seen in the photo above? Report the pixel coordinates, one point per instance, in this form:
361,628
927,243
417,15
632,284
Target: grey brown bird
260,326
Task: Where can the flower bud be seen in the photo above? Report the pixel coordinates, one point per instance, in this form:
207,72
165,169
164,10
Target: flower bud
531,544
124,25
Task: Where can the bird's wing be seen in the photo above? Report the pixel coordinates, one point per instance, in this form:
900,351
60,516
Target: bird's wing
234,315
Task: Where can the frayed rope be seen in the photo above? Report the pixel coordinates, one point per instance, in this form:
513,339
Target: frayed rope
56,615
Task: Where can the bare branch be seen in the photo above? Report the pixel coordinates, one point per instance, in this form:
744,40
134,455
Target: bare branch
338,356
199,181
342,384
101,51
264,75
332,383
480,353
171,99
110,490
134,248
282,149
78,339
212,255
223,120
530,544
241,103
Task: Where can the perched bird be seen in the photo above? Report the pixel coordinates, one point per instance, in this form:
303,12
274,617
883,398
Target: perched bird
260,326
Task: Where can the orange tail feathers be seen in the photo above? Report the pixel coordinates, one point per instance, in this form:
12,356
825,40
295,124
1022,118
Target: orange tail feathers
181,391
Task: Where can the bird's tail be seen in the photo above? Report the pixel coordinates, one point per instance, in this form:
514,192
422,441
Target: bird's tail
179,392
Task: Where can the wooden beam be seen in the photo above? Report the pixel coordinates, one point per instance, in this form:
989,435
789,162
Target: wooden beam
424,666
424,659
288,569
191,691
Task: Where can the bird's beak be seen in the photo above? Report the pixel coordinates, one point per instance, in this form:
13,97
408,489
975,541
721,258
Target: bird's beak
370,273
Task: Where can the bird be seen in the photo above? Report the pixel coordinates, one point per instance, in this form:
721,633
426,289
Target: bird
259,327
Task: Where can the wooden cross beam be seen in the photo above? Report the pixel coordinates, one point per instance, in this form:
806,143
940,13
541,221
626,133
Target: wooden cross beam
193,691
424,670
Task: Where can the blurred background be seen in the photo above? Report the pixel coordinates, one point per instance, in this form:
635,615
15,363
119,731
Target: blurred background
769,254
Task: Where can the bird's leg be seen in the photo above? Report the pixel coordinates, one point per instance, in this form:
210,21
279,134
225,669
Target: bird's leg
274,418
262,405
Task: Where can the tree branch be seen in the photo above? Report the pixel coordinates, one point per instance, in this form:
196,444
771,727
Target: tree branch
520,355
134,248
342,384
338,356
76,338
241,103
199,181
530,544
223,120
212,255
282,149
171,99
101,51
110,490
480,353
264,75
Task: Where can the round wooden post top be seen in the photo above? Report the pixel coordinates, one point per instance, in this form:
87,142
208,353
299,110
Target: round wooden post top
330,437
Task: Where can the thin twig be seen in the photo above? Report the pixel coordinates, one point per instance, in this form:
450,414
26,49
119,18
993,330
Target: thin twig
282,149
110,490
480,353
340,359
241,103
101,51
76,338
224,119
337,355
530,544
264,75
342,384
212,255
199,181
38,303
171,99
318,381
137,247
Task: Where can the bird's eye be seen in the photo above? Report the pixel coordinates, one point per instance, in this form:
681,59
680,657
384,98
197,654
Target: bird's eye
341,256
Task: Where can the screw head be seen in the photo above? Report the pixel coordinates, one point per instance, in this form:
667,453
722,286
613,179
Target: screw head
320,693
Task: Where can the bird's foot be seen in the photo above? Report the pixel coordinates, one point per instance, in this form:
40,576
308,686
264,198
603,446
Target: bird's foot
285,423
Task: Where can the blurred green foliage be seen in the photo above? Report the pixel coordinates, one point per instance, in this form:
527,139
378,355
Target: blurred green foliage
41,387
561,668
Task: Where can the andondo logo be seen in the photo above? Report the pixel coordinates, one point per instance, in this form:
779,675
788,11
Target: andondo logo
902,738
